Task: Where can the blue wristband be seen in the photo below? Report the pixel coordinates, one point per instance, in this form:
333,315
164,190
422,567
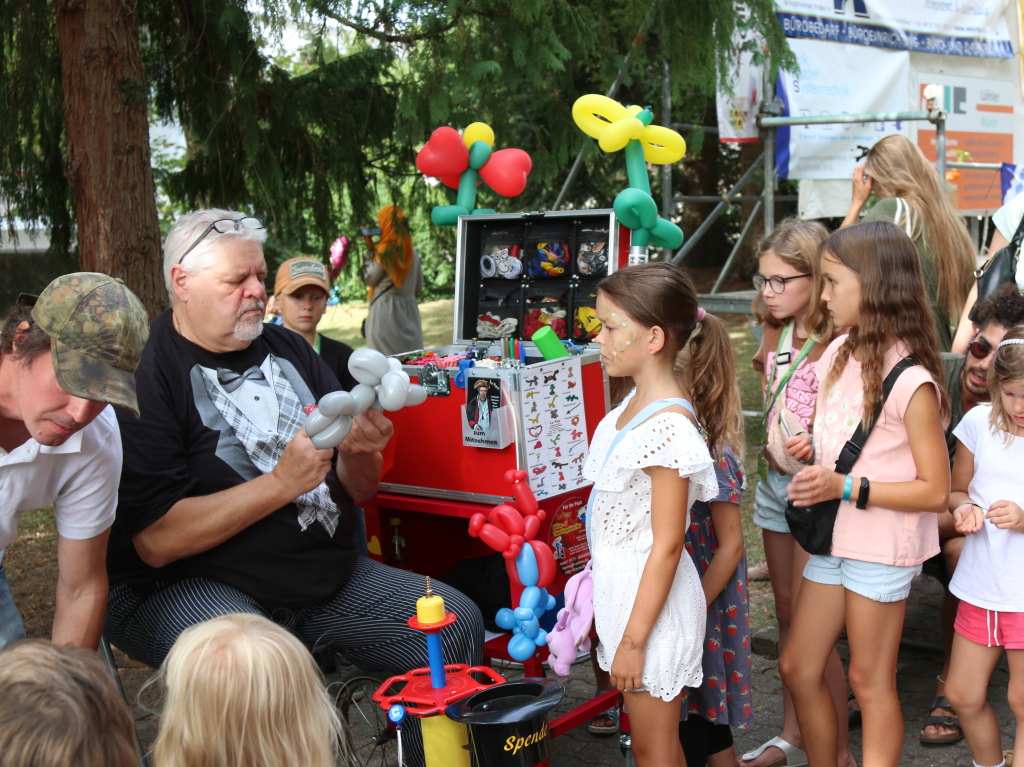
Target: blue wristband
847,488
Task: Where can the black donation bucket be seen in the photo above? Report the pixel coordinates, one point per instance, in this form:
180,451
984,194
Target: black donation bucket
508,724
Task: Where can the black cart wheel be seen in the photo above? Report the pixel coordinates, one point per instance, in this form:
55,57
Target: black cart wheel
371,741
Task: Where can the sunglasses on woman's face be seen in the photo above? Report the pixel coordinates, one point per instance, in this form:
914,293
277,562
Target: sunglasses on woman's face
979,349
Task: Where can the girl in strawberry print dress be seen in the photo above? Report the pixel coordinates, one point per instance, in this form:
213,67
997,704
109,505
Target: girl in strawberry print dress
714,541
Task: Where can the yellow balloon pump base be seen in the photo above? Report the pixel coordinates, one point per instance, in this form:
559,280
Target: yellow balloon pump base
445,743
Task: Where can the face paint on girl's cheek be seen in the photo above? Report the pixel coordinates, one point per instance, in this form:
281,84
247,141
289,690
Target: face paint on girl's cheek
626,338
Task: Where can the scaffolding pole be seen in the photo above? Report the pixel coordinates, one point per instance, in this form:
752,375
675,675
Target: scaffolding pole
680,254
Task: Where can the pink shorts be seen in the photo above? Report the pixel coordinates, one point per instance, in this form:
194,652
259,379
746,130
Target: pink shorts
990,627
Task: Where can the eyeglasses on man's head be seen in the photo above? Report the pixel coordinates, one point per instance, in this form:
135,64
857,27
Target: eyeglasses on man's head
222,226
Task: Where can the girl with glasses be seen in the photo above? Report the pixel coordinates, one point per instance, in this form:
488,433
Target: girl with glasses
797,329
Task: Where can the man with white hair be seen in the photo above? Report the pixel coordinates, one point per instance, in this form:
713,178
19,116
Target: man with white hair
225,505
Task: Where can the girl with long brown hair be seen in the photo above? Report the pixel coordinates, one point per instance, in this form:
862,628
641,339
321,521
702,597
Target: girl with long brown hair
873,286
649,463
911,196
796,329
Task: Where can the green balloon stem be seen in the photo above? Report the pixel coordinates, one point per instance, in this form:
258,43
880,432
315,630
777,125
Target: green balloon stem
636,166
479,154
467,189
645,116
641,238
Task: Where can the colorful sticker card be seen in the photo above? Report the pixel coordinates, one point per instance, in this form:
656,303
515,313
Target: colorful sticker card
554,426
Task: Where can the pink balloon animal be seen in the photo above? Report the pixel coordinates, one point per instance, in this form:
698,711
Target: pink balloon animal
572,631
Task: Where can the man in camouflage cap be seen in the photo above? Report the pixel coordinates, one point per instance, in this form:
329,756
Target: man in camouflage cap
65,356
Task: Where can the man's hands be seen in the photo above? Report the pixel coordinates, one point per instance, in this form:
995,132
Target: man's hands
302,465
371,432
359,459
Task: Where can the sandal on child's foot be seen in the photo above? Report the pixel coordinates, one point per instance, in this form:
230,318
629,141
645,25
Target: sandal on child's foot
952,722
792,756
611,715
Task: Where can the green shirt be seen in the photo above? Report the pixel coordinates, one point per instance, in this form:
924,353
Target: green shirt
954,366
885,210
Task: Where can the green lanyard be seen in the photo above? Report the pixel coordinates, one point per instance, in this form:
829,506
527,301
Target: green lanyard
772,393
316,345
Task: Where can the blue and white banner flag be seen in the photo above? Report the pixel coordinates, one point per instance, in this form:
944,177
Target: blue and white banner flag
1011,178
949,27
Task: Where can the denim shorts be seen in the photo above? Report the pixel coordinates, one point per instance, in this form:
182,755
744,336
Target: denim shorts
770,501
877,582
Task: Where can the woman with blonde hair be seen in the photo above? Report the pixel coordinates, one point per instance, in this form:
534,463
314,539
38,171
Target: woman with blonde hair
243,692
912,196
394,275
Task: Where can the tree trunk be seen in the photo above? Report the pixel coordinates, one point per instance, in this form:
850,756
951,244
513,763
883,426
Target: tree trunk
108,161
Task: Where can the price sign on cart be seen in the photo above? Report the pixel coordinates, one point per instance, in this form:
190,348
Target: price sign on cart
554,426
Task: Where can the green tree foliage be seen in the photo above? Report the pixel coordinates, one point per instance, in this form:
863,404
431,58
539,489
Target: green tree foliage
314,149
32,181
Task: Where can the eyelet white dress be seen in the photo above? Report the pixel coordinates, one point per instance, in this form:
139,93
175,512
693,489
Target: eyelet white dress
621,539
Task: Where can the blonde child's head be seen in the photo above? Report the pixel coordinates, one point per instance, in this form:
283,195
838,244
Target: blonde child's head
240,691
661,295
798,245
58,705
1006,383
888,304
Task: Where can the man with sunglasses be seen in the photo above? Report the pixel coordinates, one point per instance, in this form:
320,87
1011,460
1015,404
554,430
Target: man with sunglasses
966,382
225,503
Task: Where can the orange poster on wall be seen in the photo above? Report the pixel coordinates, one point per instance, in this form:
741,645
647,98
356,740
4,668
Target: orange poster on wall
979,128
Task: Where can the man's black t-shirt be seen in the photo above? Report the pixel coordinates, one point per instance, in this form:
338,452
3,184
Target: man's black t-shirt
170,454
336,355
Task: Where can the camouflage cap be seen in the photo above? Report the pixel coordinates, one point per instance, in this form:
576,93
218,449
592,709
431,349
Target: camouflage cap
99,328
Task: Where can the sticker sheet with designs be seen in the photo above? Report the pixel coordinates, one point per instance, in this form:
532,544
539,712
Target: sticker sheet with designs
554,426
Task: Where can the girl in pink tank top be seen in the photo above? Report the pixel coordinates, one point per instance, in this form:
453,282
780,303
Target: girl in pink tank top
887,518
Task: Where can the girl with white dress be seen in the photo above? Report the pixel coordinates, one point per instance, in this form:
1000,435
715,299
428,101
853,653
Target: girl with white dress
650,464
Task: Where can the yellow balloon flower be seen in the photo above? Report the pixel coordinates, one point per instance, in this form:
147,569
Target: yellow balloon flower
614,125
478,132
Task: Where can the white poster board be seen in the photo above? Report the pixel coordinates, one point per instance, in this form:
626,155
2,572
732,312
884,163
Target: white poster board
979,128
555,426
837,79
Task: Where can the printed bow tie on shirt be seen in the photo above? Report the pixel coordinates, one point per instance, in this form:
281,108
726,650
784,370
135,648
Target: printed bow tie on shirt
266,448
231,380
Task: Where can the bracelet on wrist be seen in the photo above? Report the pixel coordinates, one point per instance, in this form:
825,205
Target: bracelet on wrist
847,488
862,496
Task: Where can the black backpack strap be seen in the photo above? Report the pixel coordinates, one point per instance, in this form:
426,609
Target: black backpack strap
1018,236
851,450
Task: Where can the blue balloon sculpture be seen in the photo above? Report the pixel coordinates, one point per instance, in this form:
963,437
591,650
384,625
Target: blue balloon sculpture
524,621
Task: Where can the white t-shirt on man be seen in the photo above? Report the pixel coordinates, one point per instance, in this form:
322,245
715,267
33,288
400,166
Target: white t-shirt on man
79,478
990,573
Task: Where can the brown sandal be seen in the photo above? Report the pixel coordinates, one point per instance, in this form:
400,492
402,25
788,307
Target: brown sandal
943,721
